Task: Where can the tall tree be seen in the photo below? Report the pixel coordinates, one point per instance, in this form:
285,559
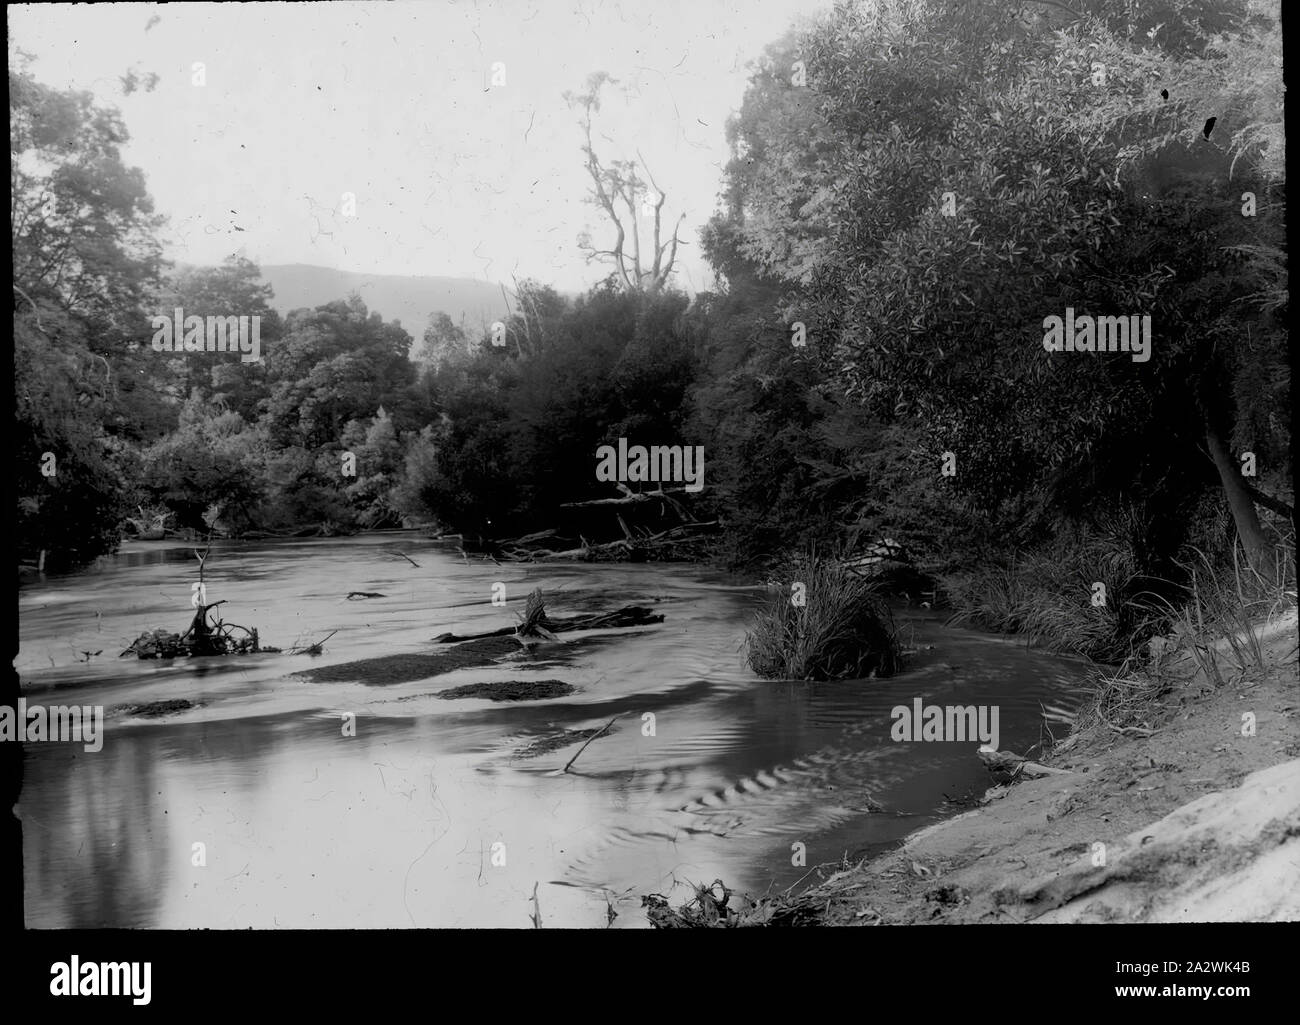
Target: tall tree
336,363
83,226
86,260
443,341
628,195
536,322
233,289
932,182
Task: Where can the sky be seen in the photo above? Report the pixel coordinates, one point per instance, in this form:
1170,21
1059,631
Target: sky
396,104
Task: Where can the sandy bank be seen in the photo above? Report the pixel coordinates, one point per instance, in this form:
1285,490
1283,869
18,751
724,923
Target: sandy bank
1200,821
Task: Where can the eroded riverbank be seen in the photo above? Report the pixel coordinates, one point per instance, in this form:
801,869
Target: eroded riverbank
1197,821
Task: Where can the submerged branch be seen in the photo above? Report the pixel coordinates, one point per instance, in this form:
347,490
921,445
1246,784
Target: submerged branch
591,738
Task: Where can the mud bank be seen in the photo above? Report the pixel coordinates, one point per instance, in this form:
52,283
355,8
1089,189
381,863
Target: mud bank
476,651
406,668
510,690
1200,821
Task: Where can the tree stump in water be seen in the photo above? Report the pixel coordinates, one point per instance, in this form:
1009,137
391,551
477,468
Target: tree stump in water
203,640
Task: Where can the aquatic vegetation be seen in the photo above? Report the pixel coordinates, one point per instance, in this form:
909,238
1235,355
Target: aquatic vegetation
829,623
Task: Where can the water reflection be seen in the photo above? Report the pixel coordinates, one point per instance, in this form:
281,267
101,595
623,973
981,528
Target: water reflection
97,838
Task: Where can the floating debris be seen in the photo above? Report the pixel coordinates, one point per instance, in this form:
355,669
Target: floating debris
203,638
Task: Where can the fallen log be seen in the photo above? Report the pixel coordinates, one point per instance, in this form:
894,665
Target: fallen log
540,535
629,497
1005,763
586,551
628,616
634,548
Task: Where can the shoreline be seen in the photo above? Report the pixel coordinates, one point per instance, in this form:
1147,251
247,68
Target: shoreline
1198,821
1123,834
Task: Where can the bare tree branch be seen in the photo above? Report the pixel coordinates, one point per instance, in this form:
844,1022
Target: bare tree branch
621,182
591,100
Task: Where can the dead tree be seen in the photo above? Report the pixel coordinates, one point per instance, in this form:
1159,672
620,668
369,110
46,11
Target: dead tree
619,190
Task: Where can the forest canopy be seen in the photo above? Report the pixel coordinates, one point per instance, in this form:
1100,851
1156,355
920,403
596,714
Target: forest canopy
916,188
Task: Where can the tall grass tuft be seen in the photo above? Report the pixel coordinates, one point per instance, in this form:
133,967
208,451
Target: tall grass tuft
1045,595
1213,630
844,629
1218,625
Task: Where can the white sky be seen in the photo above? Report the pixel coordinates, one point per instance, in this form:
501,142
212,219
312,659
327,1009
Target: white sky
307,101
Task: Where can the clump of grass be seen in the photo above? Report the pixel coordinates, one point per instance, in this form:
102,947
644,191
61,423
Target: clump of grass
1212,631
1218,624
1126,701
842,630
1045,595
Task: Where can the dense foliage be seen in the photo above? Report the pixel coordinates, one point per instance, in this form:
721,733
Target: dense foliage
915,187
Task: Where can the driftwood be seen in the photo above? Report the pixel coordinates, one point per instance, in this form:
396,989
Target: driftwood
629,497
529,539
584,552
533,623
312,649
602,730
149,527
630,546
202,638
1004,763
637,544
628,616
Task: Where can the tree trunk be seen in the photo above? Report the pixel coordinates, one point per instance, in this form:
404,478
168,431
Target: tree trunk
1258,550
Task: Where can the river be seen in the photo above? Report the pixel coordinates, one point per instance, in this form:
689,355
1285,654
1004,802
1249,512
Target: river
259,808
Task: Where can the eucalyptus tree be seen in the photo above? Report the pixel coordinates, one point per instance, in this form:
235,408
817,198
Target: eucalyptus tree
626,193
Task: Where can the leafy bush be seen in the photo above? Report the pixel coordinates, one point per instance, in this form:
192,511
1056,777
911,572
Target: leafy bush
302,487
213,458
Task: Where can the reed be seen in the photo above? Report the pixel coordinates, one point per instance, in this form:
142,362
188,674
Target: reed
843,629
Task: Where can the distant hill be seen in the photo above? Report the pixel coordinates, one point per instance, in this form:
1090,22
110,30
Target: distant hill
396,297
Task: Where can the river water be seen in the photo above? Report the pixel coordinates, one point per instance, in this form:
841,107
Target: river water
259,808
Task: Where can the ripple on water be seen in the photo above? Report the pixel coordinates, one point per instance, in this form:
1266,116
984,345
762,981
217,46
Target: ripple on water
309,826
